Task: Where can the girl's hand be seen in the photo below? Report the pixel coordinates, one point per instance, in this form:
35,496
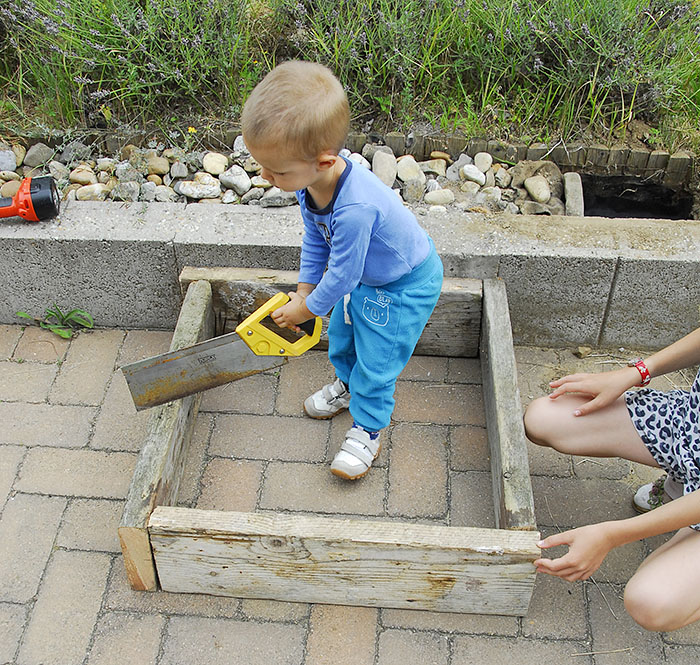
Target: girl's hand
588,546
604,388
292,313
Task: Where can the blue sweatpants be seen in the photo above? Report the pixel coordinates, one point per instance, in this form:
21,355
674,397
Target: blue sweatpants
372,334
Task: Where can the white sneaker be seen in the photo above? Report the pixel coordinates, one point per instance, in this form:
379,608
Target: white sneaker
653,495
356,455
329,401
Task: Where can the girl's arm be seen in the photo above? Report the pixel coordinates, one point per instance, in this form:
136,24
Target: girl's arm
589,545
605,387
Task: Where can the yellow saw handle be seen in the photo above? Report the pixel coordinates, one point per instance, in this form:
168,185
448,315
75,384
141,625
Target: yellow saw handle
264,342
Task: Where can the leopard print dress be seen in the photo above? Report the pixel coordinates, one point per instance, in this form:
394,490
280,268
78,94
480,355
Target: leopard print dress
668,424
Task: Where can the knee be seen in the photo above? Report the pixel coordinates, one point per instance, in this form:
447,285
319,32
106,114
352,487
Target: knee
650,607
538,421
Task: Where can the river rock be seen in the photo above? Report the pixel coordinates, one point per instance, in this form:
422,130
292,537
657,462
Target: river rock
229,197
9,175
178,170
215,163
75,151
38,154
407,170
436,167
20,153
8,160
470,187
359,159
148,192
471,172
125,172
502,177
452,172
236,179
83,175
483,161
538,188
9,189
259,181
127,191
157,165
384,166
165,194
276,198
94,192
439,197
204,186
254,194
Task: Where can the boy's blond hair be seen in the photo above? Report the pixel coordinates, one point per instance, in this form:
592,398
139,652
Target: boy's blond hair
300,107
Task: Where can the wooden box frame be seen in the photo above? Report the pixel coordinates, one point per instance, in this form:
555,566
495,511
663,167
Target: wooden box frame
328,560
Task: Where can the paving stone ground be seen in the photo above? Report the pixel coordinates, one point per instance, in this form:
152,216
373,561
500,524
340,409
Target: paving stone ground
68,445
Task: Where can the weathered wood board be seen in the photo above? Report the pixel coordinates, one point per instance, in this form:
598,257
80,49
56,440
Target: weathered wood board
453,329
160,464
327,560
510,471
346,562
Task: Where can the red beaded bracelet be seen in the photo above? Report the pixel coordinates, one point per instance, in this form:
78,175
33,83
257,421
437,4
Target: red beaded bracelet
642,368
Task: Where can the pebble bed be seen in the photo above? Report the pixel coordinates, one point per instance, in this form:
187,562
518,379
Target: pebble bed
155,174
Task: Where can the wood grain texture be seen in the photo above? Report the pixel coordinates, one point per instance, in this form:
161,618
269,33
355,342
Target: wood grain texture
510,471
303,558
160,465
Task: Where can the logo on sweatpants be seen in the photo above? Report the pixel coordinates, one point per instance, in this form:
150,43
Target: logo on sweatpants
376,311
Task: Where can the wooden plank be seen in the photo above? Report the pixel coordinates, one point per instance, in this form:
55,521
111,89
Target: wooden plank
453,329
159,469
302,558
510,472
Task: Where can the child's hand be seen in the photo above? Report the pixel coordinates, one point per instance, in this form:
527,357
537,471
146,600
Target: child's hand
604,388
588,546
292,313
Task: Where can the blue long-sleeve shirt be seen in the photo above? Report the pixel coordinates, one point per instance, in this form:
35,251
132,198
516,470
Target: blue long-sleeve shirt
365,234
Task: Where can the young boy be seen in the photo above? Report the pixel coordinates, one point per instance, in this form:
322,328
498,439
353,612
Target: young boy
363,253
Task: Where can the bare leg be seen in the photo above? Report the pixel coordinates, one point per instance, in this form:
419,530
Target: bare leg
664,593
608,432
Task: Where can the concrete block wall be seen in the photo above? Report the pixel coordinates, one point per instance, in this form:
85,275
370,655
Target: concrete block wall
570,281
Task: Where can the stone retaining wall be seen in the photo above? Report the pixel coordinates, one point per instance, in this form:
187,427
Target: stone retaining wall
674,170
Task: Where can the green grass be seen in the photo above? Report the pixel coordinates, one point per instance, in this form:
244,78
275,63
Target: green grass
545,69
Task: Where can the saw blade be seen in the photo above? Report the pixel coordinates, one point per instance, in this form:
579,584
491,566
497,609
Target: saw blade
177,374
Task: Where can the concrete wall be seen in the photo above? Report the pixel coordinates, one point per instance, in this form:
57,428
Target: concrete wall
609,282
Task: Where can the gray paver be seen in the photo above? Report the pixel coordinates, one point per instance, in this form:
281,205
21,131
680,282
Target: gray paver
398,647
68,472
45,425
39,345
10,458
12,618
87,368
119,426
418,471
26,382
9,336
199,641
91,524
269,437
27,532
64,616
64,471
341,635
121,638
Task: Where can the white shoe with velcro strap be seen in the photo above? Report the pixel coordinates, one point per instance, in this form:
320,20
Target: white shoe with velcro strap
356,455
329,401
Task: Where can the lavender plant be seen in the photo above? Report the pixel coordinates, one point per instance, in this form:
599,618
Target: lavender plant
510,68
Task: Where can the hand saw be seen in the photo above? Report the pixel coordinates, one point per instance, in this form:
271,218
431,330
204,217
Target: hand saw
252,348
